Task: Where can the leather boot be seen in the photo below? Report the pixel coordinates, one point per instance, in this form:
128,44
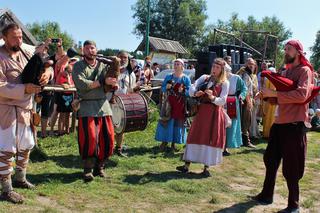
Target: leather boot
87,170
118,151
246,141
99,169
7,193
20,180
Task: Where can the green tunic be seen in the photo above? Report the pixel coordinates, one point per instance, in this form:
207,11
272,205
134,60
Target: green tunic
94,102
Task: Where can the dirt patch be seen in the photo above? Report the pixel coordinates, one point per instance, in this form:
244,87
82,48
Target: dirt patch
50,203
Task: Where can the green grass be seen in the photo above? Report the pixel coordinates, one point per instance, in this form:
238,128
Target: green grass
146,181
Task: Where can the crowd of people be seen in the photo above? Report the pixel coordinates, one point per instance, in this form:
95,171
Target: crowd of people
232,106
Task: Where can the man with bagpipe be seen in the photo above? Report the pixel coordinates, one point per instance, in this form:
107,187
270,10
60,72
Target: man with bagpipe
288,139
95,128
16,100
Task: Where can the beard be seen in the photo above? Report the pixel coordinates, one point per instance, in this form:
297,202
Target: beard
89,57
124,64
15,48
288,59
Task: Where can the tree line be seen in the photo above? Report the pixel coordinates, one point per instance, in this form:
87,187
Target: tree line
184,21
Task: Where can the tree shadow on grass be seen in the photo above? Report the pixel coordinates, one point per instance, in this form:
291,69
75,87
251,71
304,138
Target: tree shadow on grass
239,207
75,161
155,150
160,177
111,163
247,151
171,154
142,150
53,177
67,161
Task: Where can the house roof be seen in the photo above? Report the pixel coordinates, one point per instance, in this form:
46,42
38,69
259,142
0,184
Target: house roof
6,16
160,44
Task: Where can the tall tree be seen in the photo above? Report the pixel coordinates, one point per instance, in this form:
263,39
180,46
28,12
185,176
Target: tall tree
50,30
109,52
315,57
180,20
235,25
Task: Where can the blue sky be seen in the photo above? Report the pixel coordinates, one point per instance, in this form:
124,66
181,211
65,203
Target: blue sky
110,22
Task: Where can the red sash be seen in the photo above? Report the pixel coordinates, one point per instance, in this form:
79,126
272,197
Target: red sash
231,107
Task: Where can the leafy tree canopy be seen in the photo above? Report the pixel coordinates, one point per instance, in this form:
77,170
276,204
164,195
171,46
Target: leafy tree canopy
50,30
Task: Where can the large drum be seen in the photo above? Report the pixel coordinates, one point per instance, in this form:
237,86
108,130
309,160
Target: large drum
129,113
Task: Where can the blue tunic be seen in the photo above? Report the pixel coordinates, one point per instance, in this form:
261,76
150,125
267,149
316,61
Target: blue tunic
234,139
174,131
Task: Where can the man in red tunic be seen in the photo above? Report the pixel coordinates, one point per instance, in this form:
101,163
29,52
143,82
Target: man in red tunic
288,139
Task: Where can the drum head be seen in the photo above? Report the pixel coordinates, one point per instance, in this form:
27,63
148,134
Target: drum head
118,115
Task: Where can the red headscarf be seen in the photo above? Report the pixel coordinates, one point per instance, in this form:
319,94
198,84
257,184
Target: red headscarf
297,44
284,84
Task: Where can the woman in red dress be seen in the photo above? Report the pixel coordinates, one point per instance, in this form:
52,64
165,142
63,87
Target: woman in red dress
207,135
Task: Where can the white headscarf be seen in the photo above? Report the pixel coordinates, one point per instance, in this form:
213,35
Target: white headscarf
227,68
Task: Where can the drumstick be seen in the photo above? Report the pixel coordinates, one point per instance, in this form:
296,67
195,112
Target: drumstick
58,88
149,88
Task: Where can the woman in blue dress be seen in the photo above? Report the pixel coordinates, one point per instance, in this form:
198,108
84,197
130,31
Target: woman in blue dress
170,127
237,90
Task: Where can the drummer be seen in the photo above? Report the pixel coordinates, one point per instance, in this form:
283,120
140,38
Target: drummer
95,128
126,84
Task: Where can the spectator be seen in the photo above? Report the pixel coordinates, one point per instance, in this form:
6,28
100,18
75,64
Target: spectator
155,68
315,121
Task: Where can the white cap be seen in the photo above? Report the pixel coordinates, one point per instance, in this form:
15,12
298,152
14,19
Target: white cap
179,60
311,111
317,110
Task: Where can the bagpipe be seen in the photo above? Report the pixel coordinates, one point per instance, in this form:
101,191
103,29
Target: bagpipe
113,69
284,84
35,68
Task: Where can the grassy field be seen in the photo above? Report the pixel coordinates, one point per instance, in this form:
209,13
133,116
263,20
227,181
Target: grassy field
146,181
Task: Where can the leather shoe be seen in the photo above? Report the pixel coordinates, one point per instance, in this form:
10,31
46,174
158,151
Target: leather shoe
12,197
250,145
23,184
289,210
262,200
226,153
205,173
182,169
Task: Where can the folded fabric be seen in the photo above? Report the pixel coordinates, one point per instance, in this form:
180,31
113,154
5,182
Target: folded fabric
284,84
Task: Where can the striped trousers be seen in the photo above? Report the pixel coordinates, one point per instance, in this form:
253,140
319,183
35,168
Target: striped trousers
95,137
